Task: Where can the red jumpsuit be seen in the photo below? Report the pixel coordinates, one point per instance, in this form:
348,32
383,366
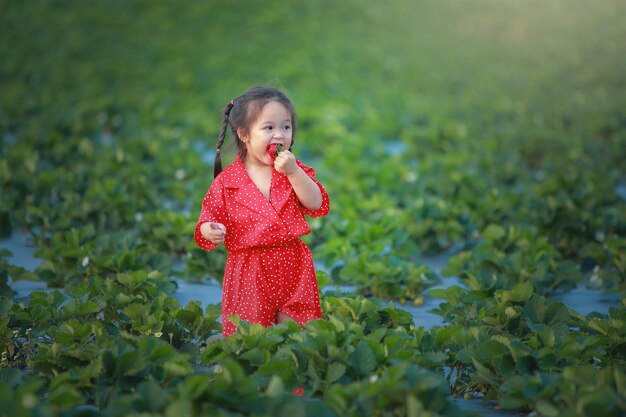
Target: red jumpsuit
268,268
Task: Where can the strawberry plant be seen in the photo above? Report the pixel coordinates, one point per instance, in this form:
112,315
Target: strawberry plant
507,257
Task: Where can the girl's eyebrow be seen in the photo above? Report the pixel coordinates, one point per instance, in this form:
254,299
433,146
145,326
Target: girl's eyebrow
271,121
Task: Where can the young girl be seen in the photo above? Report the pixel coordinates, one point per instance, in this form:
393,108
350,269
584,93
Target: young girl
256,207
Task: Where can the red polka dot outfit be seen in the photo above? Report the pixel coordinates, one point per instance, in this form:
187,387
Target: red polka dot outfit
268,268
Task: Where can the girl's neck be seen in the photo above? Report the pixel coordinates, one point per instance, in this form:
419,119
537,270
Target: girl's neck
255,164
261,176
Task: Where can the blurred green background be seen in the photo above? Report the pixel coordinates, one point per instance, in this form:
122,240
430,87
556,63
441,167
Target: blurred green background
363,62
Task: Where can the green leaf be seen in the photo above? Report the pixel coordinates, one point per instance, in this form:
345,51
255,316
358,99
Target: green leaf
11,376
493,232
322,279
465,355
620,380
195,385
282,368
179,408
130,363
362,359
451,294
491,349
5,306
85,374
256,356
65,397
484,373
546,408
522,292
177,369
434,358
335,371
276,387
137,311
152,396
545,333
535,309
598,402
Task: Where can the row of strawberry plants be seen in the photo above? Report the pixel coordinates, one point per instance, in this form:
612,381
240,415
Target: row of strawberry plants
478,360
112,343
515,344
122,345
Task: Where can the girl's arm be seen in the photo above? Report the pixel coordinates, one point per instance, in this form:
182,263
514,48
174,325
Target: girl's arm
307,191
210,230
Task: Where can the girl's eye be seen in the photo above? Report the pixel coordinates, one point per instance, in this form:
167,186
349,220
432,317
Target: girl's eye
287,127
268,127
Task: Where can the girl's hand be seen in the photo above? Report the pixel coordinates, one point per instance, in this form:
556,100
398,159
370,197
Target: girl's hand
214,232
285,163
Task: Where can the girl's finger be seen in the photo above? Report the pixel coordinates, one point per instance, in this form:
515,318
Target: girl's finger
218,226
217,237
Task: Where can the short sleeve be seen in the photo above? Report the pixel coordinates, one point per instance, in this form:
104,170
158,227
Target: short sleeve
213,210
325,207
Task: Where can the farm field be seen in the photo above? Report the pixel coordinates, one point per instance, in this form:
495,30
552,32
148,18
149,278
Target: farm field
474,154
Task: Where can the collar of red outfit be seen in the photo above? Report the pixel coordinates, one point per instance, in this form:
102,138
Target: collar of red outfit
233,173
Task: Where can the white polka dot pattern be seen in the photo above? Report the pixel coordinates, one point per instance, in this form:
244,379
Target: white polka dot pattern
268,269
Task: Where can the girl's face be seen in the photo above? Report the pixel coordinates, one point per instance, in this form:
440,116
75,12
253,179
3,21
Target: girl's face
272,126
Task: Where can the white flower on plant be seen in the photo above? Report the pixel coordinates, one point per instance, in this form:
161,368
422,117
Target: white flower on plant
596,277
600,236
373,378
180,174
411,177
138,217
158,334
85,262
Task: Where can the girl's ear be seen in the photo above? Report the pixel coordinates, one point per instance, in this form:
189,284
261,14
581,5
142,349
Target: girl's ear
242,134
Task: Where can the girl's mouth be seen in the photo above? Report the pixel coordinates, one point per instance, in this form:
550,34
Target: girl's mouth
273,149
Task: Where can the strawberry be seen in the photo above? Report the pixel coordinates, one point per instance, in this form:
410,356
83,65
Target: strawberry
274,149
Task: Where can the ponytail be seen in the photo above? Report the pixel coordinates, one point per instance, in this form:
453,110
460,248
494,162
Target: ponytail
217,165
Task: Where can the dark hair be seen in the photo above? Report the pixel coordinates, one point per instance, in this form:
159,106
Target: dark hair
242,111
